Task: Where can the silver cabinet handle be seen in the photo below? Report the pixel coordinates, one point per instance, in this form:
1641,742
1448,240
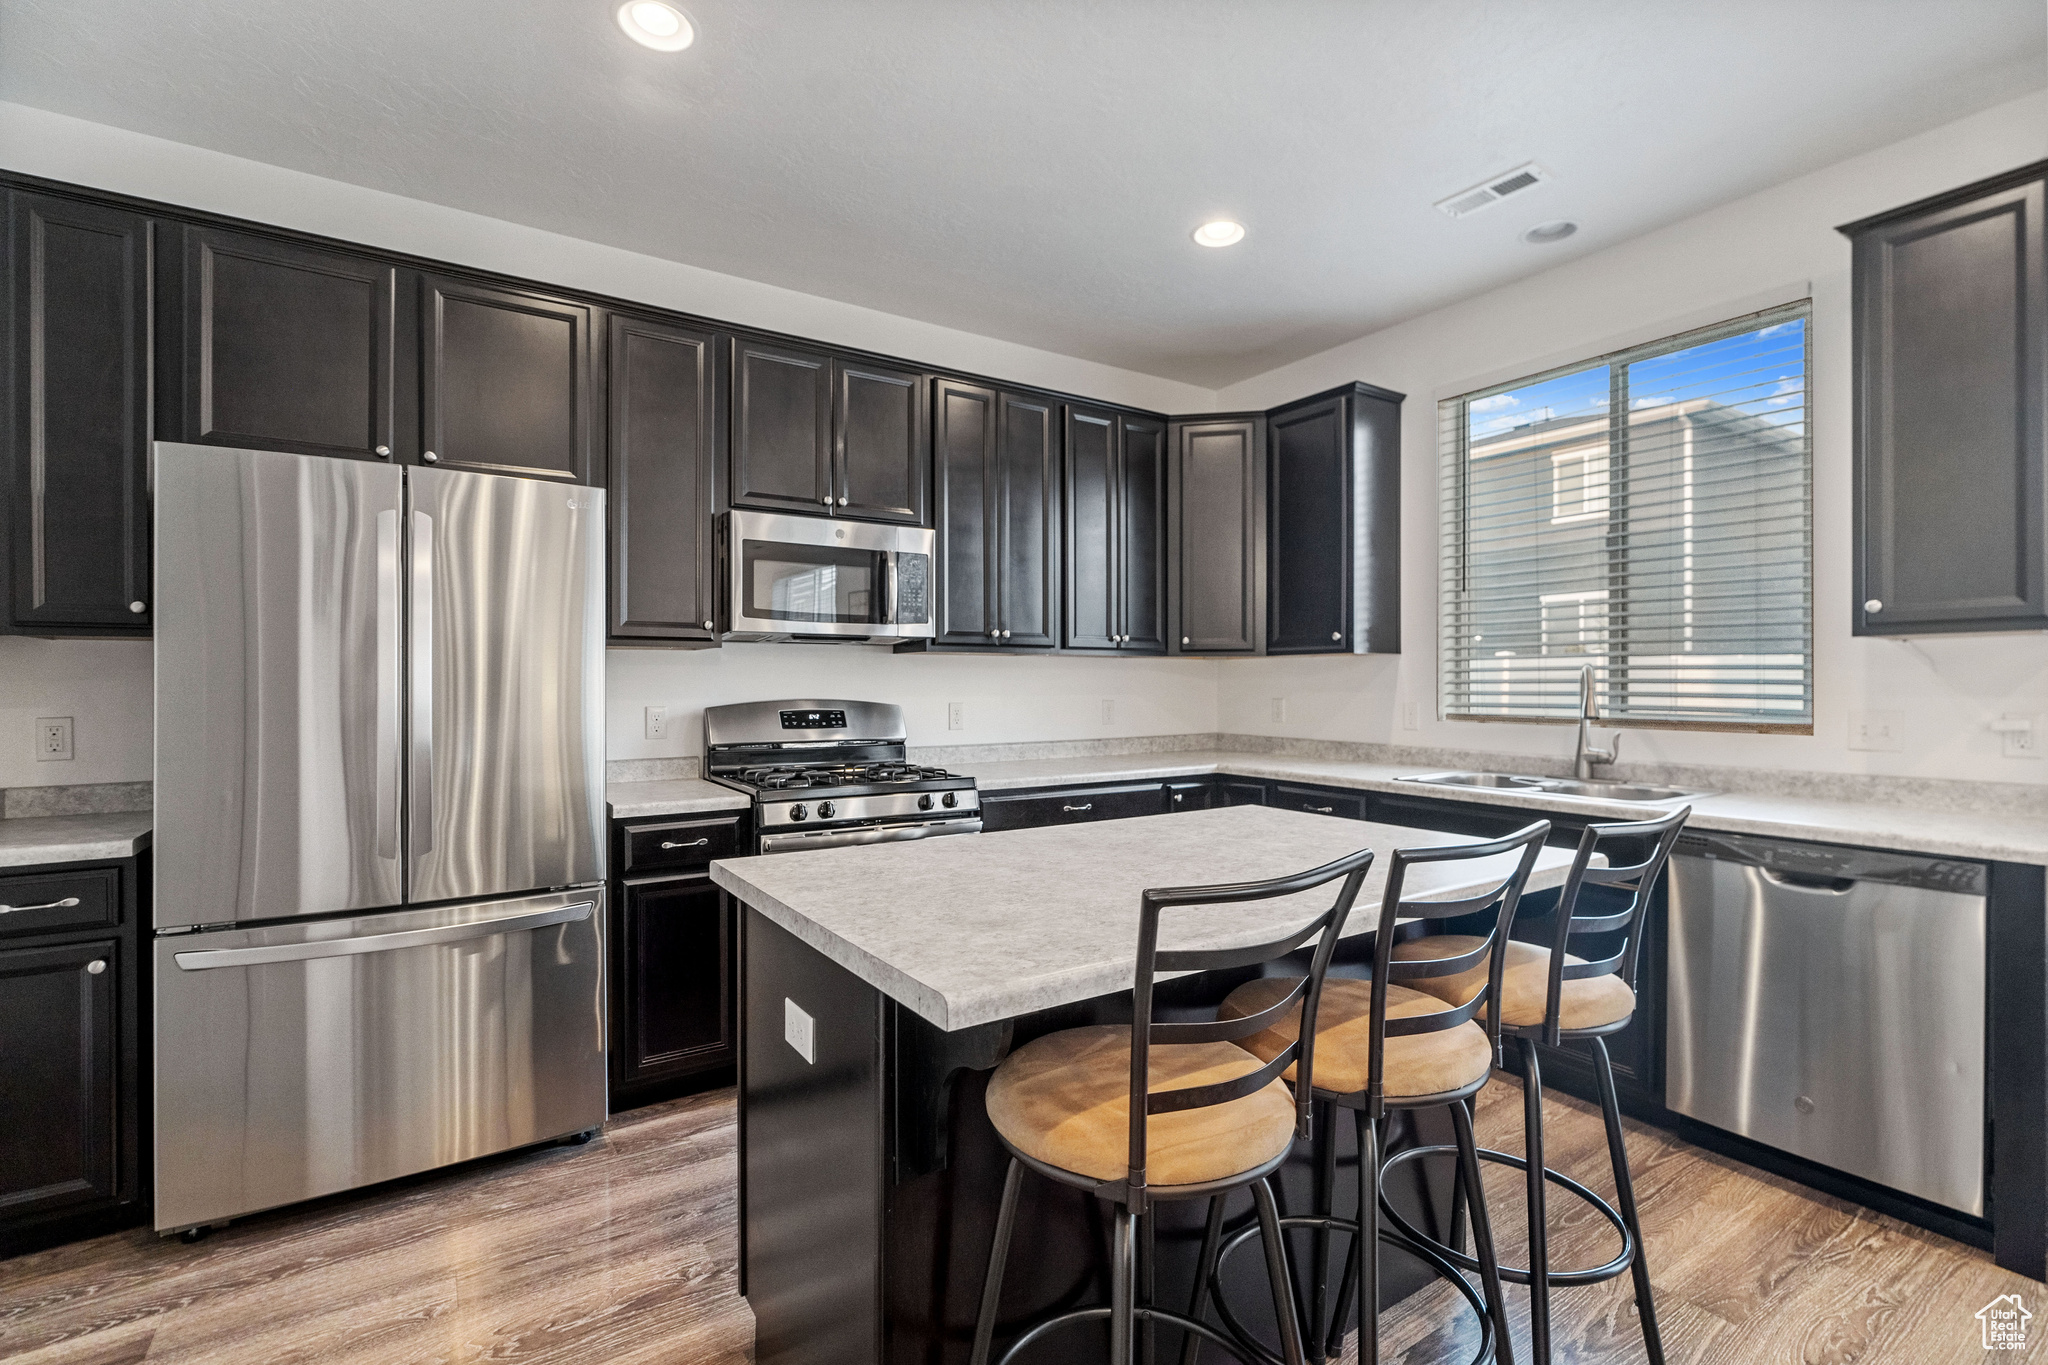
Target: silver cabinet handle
1322,810
422,742
137,607
64,904
430,457
1873,605
210,958
1085,806
390,682
694,843
383,452
96,966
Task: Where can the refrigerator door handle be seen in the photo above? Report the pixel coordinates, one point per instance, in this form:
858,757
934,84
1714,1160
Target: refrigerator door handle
422,745
207,959
390,681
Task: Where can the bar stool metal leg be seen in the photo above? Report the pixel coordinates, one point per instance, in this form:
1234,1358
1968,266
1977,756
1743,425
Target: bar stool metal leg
1122,1283
1469,1180
1367,1240
1625,1192
1325,1191
1539,1248
1212,1248
998,1254
1276,1270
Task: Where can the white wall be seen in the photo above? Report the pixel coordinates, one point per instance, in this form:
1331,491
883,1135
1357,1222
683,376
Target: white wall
1007,698
103,685
1716,263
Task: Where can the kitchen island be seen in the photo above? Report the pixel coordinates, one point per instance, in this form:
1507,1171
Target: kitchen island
881,983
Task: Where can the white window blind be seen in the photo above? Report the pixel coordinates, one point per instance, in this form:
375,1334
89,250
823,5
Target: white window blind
1646,514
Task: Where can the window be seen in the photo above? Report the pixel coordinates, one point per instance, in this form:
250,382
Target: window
1647,515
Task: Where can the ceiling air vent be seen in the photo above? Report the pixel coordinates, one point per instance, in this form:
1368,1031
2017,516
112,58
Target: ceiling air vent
1495,189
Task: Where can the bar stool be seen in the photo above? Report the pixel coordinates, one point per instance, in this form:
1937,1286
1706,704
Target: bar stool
1380,1047
1161,1111
1552,997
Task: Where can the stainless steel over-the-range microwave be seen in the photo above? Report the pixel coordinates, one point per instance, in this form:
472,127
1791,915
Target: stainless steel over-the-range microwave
813,578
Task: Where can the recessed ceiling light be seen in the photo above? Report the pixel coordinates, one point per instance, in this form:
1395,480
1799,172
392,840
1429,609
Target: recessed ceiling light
1554,231
1222,232
651,23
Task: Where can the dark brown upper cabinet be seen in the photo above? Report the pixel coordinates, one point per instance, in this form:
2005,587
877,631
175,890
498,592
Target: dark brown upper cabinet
996,476
1333,524
504,381
78,432
828,435
1951,365
1217,547
1115,476
287,347
664,435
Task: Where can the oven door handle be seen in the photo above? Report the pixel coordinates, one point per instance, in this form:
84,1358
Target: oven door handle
871,834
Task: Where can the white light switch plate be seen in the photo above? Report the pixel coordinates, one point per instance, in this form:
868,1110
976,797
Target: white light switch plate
1877,730
800,1031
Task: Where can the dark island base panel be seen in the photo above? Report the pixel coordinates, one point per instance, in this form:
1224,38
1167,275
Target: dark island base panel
843,1261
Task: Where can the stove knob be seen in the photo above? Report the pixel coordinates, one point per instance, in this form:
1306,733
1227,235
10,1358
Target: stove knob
824,810
951,799
797,812
925,802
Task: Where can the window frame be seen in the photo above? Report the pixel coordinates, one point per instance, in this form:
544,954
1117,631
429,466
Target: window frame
1455,524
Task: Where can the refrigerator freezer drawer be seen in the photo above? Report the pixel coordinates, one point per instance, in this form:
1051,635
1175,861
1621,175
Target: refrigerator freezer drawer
303,1059
1838,1019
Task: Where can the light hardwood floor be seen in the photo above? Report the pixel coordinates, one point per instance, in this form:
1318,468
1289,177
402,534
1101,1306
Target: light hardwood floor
622,1252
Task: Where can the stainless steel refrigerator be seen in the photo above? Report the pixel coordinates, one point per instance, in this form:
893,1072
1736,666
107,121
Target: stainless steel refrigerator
380,823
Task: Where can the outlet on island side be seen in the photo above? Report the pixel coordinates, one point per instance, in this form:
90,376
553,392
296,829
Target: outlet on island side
800,1031
53,739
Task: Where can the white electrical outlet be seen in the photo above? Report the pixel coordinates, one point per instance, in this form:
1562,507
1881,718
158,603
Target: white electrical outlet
1411,715
800,1031
1877,730
956,715
1279,710
1108,711
657,722
53,739
2018,736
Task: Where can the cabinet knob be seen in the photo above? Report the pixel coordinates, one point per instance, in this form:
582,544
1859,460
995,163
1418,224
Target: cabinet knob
138,607
430,457
383,452
995,635
1185,641
825,501
1873,605
708,625
842,499
96,966
1336,635
1006,635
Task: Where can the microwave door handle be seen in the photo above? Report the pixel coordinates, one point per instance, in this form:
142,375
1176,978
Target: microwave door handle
889,588
390,682
422,738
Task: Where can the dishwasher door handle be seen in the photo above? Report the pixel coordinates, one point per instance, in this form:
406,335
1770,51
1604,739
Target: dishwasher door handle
1807,881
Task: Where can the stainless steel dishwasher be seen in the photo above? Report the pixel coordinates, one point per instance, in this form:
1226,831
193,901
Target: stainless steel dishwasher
1829,1002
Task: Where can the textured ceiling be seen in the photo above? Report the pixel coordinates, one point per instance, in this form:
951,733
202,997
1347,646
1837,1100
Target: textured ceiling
1031,170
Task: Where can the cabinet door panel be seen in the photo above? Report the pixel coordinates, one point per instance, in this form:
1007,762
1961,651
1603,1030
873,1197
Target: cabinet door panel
1217,555
505,387
963,454
59,1111
1141,517
679,996
1308,608
1952,360
1028,492
1074,806
1091,530
880,443
782,428
77,510
662,446
287,347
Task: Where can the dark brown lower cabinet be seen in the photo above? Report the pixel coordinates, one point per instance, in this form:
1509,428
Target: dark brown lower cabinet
1073,805
674,1015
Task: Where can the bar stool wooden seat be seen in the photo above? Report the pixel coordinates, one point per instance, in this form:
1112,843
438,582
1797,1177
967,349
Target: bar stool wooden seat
1382,1046
1551,996
1162,1111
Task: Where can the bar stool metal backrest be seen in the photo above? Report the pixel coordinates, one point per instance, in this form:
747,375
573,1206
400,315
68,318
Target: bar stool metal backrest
1503,898
1638,879
1307,994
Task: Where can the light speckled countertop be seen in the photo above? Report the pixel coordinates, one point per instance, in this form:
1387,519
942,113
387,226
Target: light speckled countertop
1870,824
968,931
672,796
73,838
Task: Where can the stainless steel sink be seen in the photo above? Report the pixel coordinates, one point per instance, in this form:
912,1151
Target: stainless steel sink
1638,793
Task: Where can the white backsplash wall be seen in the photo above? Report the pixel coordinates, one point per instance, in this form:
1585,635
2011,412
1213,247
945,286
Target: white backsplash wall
1946,689
105,686
1005,698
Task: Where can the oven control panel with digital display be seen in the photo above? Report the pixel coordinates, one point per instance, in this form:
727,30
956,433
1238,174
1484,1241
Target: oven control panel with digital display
814,720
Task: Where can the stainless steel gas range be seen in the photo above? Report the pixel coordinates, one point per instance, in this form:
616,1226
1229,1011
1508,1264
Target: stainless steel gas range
824,774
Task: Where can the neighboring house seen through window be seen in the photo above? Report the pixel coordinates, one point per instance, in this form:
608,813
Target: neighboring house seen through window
1647,514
